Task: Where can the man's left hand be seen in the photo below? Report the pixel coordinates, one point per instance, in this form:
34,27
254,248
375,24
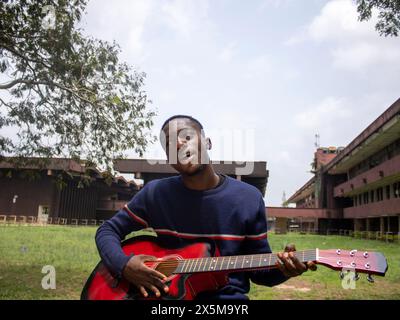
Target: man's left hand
290,266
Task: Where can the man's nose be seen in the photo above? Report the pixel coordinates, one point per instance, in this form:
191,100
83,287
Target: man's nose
180,142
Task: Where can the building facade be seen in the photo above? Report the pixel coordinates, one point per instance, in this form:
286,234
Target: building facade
34,190
356,187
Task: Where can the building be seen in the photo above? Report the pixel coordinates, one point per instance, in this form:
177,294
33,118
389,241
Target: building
33,190
253,173
353,188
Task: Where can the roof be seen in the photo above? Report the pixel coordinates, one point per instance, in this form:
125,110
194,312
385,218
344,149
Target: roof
58,164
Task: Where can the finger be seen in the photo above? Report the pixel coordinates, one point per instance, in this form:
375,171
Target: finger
159,284
288,264
311,265
154,289
143,291
145,257
280,266
156,274
290,247
300,267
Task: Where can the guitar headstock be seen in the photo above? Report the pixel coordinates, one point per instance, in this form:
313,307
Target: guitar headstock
359,261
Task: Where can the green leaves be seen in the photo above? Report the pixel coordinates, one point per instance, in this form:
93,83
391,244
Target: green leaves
388,15
69,95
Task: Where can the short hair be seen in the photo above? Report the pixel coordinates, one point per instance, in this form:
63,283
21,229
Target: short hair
184,117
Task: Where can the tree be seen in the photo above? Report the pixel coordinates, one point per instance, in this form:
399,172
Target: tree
389,15
68,95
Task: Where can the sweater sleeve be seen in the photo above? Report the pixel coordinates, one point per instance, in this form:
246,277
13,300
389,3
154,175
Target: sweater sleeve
259,244
132,217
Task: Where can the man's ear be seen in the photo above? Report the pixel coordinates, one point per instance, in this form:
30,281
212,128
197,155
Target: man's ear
208,144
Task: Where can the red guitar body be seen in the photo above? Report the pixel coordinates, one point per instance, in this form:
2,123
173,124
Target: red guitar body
101,285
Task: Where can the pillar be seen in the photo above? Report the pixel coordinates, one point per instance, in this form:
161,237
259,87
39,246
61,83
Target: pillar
367,224
281,225
382,226
357,225
398,226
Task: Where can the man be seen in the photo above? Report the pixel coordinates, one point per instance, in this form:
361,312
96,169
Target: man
197,204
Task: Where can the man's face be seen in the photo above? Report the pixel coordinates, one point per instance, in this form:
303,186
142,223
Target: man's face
185,146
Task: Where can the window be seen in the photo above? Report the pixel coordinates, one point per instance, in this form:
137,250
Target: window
360,199
372,195
396,189
388,192
366,197
379,194
355,201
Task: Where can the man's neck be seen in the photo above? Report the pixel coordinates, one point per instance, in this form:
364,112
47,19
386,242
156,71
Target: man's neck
204,180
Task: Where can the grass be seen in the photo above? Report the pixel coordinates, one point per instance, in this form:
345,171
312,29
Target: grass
24,250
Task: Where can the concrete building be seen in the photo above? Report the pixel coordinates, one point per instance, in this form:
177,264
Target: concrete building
33,189
356,187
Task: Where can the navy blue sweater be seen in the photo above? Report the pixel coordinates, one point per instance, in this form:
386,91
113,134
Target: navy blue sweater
232,215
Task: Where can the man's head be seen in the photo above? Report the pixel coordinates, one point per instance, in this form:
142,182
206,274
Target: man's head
185,144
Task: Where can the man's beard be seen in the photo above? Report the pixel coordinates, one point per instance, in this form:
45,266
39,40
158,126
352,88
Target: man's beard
197,171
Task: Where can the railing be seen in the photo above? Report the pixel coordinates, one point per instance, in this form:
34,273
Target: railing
33,220
369,235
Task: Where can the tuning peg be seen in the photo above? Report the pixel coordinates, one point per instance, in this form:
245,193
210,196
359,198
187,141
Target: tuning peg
370,279
356,276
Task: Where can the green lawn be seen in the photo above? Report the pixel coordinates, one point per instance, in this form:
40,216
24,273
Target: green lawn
24,250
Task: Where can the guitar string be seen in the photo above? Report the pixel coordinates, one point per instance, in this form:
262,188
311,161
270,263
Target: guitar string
257,258
309,255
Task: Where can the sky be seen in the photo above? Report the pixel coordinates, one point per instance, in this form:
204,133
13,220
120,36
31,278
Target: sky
263,76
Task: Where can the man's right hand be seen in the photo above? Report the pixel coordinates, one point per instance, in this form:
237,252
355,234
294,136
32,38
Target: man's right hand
143,277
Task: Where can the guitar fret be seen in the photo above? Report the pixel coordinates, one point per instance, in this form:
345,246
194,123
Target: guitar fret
189,261
184,262
195,265
214,261
229,263
205,264
191,266
251,261
222,264
270,256
201,261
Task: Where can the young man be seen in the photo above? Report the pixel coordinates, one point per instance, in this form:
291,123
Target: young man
197,204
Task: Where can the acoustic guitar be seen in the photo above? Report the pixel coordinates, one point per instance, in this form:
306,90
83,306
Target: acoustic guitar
198,268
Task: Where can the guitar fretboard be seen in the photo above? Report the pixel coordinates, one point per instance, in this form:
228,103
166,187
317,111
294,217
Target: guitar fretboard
234,263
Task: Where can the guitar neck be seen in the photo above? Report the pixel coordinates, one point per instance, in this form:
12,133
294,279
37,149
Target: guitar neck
238,263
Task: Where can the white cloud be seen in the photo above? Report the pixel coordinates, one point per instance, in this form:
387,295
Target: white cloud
362,54
185,16
258,67
353,45
338,20
227,52
274,3
123,21
324,115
